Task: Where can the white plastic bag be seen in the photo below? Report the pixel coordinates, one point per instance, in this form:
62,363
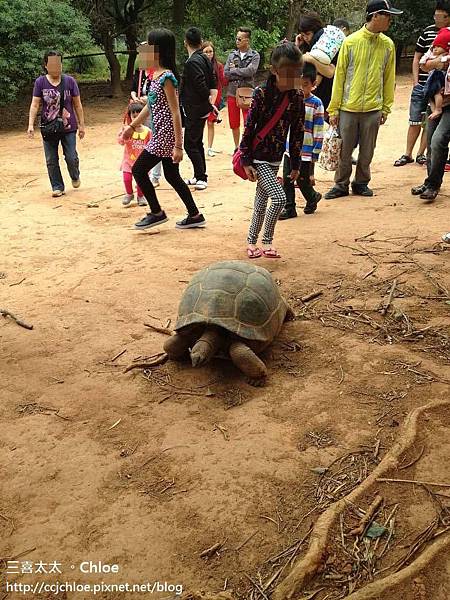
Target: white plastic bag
331,150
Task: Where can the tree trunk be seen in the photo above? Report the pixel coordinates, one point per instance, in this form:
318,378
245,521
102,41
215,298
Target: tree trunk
114,64
179,7
295,9
131,41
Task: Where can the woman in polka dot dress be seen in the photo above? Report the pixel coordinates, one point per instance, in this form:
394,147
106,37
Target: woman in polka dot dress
166,143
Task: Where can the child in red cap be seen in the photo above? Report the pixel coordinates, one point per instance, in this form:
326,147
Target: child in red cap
438,80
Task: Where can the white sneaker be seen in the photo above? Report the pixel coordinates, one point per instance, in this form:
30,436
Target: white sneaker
155,183
192,181
216,151
142,201
201,185
57,193
127,199
211,152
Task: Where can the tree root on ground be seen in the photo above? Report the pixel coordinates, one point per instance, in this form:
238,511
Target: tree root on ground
307,567
374,590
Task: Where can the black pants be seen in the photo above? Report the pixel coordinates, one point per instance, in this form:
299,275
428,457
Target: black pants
144,164
193,144
303,182
438,132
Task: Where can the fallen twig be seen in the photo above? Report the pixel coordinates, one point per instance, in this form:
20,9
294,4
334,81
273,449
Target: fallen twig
159,359
311,296
359,239
7,313
391,295
117,355
247,539
114,424
419,482
223,430
164,330
371,272
17,282
367,518
212,550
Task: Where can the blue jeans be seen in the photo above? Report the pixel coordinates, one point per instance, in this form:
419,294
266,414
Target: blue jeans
417,106
69,146
438,131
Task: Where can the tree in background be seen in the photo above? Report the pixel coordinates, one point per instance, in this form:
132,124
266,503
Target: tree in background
27,30
406,29
110,19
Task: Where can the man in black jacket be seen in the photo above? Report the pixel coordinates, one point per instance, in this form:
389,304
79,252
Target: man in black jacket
198,93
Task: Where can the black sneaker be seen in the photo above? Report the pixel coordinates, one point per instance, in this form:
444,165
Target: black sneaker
151,220
335,192
362,190
419,189
429,194
191,222
311,207
287,213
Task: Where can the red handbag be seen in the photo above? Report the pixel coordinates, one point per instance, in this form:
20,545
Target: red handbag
238,167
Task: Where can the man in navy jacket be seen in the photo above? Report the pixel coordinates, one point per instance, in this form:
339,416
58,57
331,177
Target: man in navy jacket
198,93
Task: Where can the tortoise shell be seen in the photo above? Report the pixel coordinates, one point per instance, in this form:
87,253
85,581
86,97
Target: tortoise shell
237,296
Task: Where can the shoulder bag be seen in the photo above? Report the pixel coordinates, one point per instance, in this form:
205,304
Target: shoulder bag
55,128
238,167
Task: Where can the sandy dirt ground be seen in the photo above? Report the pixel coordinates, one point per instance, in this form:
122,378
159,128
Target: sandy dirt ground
147,470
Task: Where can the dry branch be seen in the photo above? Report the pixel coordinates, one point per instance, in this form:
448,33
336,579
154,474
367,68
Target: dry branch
391,295
7,313
370,513
159,359
311,296
209,552
164,330
306,568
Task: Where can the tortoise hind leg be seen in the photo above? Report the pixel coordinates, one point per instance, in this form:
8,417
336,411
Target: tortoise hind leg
246,361
290,314
178,345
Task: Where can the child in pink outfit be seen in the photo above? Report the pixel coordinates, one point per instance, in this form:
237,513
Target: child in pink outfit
132,149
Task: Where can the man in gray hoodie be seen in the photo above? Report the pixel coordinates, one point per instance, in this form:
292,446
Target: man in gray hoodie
240,70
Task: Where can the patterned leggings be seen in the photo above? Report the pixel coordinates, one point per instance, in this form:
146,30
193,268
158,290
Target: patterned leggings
267,187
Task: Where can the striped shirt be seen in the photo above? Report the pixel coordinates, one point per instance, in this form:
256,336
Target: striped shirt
423,45
313,136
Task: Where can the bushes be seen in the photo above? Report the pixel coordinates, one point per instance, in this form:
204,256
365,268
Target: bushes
27,30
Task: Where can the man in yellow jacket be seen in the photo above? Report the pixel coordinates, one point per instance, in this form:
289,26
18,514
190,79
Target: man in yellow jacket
362,97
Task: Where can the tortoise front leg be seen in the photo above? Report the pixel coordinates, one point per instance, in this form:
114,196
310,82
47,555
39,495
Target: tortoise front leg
177,345
206,346
246,361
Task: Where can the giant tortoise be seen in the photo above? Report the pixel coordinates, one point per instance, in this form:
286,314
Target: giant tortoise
233,307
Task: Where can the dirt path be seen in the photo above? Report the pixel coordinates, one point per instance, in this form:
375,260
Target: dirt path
98,465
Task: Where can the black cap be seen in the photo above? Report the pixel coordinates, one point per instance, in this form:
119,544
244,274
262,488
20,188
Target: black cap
385,6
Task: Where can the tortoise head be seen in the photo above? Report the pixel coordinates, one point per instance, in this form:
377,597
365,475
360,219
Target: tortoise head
207,346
